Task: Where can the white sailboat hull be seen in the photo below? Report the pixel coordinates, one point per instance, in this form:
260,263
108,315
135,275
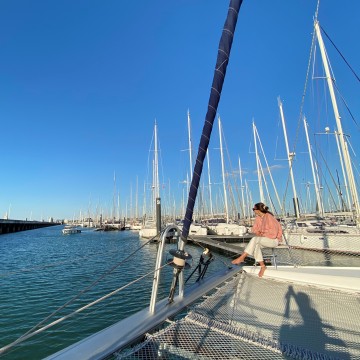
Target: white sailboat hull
228,229
70,231
340,243
147,233
196,229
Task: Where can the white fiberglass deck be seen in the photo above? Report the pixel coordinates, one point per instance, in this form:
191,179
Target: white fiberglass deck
340,278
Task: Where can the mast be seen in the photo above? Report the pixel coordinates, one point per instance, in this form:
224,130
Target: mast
343,171
169,200
131,208
210,194
144,203
317,188
156,163
156,181
114,201
341,135
290,156
223,173
267,188
269,171
242,190
118,206
261,191
183,203
136,198
190,144
153,199
215,94
190,157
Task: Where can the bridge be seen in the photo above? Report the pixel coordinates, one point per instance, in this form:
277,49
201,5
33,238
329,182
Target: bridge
11,226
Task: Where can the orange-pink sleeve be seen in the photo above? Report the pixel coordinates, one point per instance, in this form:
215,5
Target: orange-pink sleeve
271,227
257,225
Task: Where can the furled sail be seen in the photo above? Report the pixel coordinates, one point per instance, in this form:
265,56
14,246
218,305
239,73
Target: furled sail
215,93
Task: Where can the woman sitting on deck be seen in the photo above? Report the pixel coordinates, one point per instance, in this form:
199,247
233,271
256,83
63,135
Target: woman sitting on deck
268,233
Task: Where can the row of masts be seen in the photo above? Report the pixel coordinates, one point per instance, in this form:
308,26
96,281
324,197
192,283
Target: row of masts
245,199
344,156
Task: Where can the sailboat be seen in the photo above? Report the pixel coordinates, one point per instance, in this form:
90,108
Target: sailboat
227,226
197,229
322,236
293,312
152,225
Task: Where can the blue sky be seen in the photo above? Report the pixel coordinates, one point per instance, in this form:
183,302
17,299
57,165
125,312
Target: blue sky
82,82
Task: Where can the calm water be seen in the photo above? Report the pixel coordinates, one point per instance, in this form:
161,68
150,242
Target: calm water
41,270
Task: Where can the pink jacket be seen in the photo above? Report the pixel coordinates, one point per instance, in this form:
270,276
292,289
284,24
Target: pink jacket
267,226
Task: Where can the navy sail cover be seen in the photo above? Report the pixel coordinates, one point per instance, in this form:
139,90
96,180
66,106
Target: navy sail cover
215,93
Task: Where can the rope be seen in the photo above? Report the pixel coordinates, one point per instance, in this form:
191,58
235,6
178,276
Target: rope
203,247
25,336
31,333
346,105
342,56
351,69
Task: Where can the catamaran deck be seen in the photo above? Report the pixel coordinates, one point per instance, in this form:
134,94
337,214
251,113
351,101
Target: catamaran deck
268,318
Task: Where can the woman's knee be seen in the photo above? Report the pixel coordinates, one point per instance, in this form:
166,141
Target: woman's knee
257,240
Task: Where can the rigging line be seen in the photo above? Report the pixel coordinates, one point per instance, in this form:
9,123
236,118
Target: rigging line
342,56
84,290
231,179
238,189
232,197
283,203
269,172
317,9
148,161
356,169
302,100
352,149
331,177
57,321
283,206
270,198
204,248
70,323
334,83
99,307
307,76
346,105
343,203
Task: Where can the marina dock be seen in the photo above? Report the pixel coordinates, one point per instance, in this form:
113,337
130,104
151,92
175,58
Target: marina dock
223,244
11,226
